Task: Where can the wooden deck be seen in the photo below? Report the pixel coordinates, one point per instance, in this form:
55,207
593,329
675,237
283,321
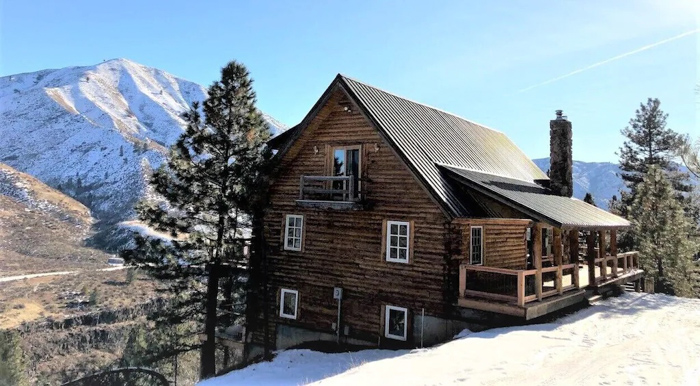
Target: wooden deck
520,293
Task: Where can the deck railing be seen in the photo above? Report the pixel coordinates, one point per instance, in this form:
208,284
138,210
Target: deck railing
516,286
613,266
524,286
329,188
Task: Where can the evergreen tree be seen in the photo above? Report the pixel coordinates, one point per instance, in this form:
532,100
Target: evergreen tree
214,185
589,199
649,142
690,154
12,365
663,234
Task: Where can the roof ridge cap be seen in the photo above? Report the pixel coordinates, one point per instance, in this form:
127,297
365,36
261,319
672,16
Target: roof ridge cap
420,103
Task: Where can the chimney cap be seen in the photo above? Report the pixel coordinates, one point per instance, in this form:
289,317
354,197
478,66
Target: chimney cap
560,117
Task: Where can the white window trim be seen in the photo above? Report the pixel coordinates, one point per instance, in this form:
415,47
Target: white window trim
286,232
386,322
388,241
471,244
296,303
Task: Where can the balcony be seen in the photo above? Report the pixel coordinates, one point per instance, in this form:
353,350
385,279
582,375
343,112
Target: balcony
330,192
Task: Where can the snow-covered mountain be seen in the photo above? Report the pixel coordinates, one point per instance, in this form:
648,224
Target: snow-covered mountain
94,132
601,179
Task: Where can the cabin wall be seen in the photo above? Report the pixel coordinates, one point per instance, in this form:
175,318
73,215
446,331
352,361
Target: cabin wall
343,248
505,244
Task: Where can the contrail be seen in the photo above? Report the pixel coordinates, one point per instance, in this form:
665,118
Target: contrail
638,50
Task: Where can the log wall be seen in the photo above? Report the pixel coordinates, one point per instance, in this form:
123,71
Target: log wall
505,244
343,248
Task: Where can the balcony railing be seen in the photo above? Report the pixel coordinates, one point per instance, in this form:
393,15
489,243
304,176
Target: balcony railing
329,188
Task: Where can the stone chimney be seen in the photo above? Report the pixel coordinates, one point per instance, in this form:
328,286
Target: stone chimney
561,179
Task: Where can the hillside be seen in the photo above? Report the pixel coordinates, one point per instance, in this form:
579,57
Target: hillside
41,229
95,132
630,340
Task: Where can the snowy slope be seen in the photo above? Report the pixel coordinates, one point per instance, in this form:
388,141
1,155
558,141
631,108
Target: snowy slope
636,339
94,132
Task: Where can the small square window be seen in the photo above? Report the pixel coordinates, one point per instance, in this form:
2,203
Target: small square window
476,246
288,303
293,232
397,244
395,322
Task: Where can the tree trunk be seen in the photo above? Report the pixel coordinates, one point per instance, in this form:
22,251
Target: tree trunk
208,357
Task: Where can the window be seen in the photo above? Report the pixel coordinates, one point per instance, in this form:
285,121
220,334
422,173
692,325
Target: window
477,246
288,303
293,232
397,234
395,322
346,162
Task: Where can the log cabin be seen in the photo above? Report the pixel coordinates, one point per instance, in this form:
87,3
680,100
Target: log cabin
393,223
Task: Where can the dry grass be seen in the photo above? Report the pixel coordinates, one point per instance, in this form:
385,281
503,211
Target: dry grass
45,297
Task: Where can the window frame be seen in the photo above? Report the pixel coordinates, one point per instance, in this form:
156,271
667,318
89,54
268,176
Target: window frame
345,149
471,245
284,291
387,312
388,247
286,233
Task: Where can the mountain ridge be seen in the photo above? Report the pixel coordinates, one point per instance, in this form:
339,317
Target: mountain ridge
95,132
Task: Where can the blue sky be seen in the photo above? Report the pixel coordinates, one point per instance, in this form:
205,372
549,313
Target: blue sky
480,60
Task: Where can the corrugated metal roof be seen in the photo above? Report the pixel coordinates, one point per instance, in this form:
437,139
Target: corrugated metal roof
533,200
426,136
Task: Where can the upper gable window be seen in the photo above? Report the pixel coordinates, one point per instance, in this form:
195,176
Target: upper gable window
476,247
397,241
293,232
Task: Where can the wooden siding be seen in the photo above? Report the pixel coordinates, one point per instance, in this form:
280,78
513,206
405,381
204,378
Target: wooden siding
343,248
505,245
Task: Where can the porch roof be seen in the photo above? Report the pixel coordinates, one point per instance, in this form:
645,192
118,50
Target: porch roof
535,201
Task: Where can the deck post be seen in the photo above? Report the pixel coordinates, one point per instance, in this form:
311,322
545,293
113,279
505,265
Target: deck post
462,280
558,259
590,245
521,288
537,252
573,254
613,250
624,263
601,255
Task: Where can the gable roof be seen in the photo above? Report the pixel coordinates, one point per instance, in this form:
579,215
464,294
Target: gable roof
431,142
535,201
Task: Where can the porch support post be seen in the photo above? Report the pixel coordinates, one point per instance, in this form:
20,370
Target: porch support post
573,254
537,252
590,245
613,250
558,258
462,280
601,253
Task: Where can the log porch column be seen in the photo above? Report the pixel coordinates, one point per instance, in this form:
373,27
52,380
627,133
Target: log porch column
601,254
613,250
590,245
558,258
537,258
573,254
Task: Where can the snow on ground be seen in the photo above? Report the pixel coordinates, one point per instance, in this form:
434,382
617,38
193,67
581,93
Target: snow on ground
635,339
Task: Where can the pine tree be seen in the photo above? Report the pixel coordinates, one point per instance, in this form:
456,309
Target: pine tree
589,199
649,142
12,364
215,187
663,234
